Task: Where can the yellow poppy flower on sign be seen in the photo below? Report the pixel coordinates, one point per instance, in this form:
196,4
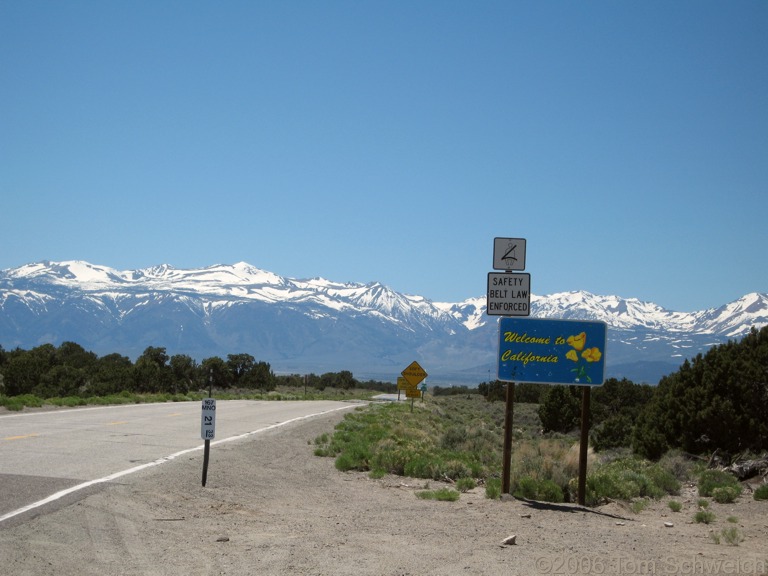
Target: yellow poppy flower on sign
578,341
571,355
592,355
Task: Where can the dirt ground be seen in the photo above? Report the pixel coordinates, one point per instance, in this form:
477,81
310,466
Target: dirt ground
271,507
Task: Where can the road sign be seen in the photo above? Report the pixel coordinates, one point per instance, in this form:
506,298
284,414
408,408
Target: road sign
412,392
208,419
509,253
552,351
414,374
508,294
403,384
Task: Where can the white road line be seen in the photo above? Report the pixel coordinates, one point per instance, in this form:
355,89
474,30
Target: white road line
62,493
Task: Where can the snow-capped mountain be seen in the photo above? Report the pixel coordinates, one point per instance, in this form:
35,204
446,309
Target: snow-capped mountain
317,325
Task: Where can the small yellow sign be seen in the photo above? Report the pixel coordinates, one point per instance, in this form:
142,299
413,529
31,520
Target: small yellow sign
414,373
412,392
402,383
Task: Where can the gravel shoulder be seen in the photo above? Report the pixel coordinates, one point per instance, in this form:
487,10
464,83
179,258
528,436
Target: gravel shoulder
272,507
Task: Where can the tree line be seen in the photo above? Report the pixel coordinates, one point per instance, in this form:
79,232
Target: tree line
49,371
716,401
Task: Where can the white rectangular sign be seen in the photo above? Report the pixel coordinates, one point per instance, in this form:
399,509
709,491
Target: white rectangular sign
509,253
508,294
208,419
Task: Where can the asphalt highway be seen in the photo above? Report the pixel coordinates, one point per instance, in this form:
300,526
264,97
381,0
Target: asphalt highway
51,457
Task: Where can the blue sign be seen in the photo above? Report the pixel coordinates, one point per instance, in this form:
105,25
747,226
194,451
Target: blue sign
552,351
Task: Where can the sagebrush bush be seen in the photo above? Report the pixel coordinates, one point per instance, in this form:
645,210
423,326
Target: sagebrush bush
544,490
442,494
732,536
711,479
628,478
725,494
704,517
677,464
761,493
465,484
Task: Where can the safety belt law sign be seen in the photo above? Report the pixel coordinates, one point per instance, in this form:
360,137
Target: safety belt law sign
552,351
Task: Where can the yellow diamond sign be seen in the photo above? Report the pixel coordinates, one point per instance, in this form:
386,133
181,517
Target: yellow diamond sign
414,373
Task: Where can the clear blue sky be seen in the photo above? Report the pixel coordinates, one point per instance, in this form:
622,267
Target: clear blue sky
392,141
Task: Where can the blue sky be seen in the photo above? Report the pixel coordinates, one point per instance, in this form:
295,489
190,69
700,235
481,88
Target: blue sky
361,141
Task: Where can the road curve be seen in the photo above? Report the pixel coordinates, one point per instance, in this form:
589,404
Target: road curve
50,455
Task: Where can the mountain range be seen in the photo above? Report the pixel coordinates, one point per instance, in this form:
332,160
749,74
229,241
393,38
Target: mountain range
317,325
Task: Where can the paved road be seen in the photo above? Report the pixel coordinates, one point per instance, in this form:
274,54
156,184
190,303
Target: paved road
46,453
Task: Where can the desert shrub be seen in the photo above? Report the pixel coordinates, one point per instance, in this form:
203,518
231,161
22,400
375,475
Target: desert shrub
442,494
711,479
628,478
679,465
548,491
761,493
355,457
493,488
526,488
725,494
732,536
17,403
454,469
68,401
704,517
465,484
675,506
422,466
454,437
544,490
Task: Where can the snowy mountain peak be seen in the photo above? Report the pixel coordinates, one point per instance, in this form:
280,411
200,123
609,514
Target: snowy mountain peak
306,324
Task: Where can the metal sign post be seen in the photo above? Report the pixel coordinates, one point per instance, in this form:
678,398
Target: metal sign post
506,467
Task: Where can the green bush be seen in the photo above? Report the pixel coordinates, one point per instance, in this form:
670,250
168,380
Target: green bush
761,493
550,492
17,403
526,488
493,488
711,479
704,517
628,478
675,506
725,494
465,484
544,490
442,494
678,464
732,536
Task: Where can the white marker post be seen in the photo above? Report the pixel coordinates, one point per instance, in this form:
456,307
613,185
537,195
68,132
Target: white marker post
207,430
